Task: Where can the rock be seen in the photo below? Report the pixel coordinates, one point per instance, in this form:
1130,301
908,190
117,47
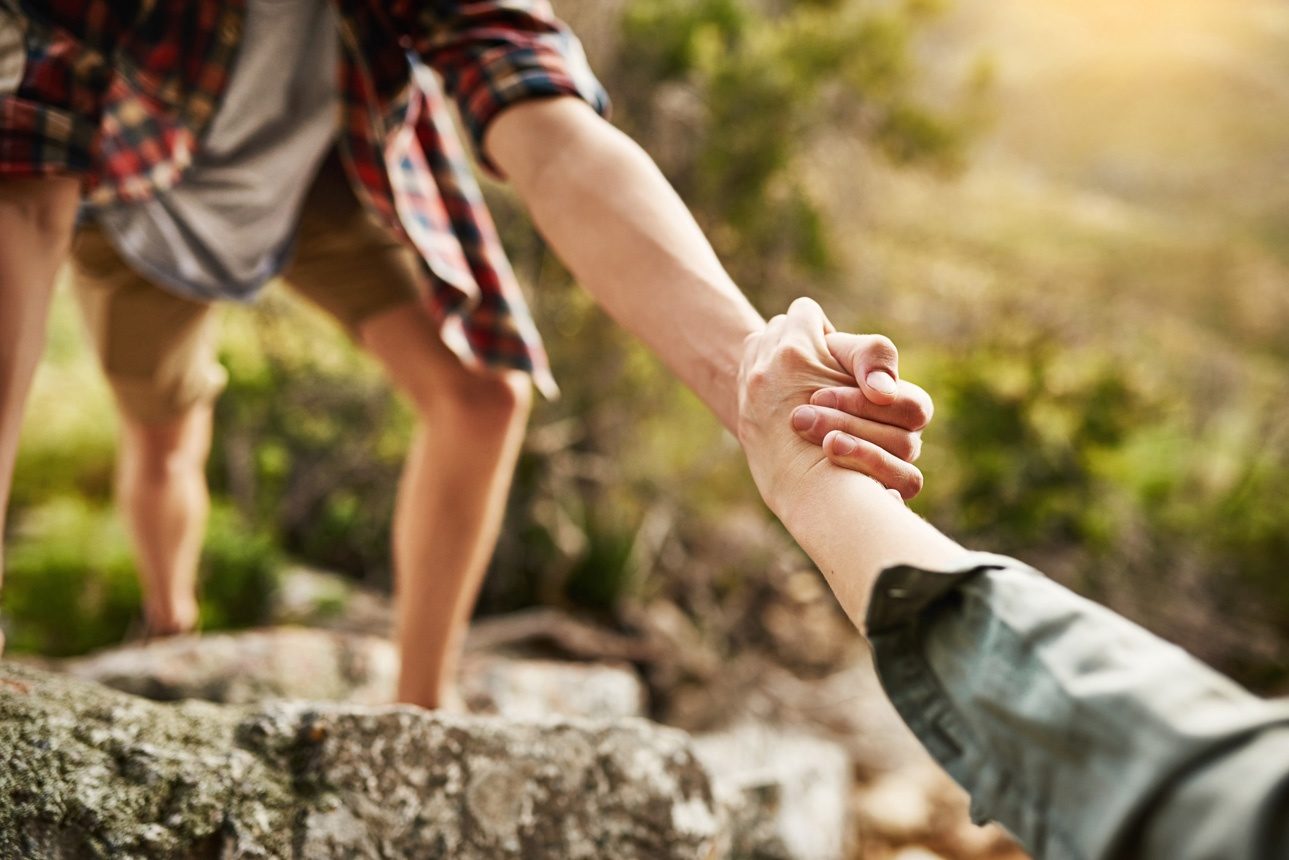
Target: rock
790,791
298,663
249,666
319,598
531,688
94,773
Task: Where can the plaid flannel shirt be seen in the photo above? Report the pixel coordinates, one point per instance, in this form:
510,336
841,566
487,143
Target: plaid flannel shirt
122,91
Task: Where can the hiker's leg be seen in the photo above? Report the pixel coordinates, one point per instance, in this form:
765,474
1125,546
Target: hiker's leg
36,218
158,353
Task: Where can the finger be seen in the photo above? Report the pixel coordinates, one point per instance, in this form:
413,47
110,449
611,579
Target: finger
773,336
810,310
813,423
859,456
872,360
911,410
811,325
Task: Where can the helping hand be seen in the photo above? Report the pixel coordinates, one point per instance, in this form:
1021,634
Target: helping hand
875,427
785,365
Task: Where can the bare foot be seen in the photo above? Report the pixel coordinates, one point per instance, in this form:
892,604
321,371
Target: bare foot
175,619
453,702
448,702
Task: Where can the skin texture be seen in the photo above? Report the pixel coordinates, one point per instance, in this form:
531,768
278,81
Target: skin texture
161,490
452,496
849,525
36,218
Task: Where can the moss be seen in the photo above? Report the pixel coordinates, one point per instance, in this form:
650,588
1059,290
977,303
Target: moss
92,773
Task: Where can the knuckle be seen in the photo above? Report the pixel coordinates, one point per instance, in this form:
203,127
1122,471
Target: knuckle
919,414
852,400
758,378
804,306
883,347
869,456
794,354
905,447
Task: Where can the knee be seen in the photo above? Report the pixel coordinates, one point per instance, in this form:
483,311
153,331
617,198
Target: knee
480,401
158,454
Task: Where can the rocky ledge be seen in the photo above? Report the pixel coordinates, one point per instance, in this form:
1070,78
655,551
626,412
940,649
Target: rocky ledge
90,772
559,765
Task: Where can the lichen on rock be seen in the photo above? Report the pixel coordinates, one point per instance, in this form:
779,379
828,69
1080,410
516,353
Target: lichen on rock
94,773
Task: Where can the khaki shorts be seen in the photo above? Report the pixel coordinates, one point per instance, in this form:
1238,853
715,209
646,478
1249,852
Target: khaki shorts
158,350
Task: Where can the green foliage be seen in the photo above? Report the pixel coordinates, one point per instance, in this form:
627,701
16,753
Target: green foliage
69,583
241,565
760,87
69,439
1024,424
71,586
309,438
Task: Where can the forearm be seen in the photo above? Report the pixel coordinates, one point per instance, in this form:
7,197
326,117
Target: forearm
853,528
626,236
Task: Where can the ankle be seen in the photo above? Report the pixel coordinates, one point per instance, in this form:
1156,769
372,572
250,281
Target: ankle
446,700
171,618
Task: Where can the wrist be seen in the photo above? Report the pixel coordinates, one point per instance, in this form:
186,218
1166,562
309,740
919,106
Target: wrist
797,485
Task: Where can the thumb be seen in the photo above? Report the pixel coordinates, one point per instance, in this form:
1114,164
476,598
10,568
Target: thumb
872,360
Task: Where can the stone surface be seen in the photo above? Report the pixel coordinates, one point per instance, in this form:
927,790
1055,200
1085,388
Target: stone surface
300,663
89,772
249,666
532,688
790,790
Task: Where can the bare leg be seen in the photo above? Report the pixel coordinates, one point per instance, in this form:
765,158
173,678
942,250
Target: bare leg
36,218
452,495
161,488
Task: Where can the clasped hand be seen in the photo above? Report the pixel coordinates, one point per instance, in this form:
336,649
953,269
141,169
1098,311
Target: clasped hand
809,395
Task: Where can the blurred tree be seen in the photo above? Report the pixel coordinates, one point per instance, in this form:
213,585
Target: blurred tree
730,95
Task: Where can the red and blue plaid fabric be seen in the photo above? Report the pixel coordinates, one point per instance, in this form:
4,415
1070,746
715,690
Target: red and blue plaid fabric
123,91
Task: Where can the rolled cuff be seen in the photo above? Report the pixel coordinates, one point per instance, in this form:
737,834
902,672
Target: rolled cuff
493,58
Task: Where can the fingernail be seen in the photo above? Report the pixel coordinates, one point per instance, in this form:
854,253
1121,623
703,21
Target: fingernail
880,380
803,418
843,444
825,398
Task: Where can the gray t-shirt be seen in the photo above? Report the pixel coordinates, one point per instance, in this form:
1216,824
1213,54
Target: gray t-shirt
227,227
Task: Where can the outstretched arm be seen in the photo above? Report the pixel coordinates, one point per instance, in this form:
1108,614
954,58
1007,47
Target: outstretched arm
532,107
624,233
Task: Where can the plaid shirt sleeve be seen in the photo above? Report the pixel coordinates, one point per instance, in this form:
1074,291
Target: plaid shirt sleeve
55,81
492,54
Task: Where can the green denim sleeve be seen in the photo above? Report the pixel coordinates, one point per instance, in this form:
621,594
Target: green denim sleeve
1074,728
